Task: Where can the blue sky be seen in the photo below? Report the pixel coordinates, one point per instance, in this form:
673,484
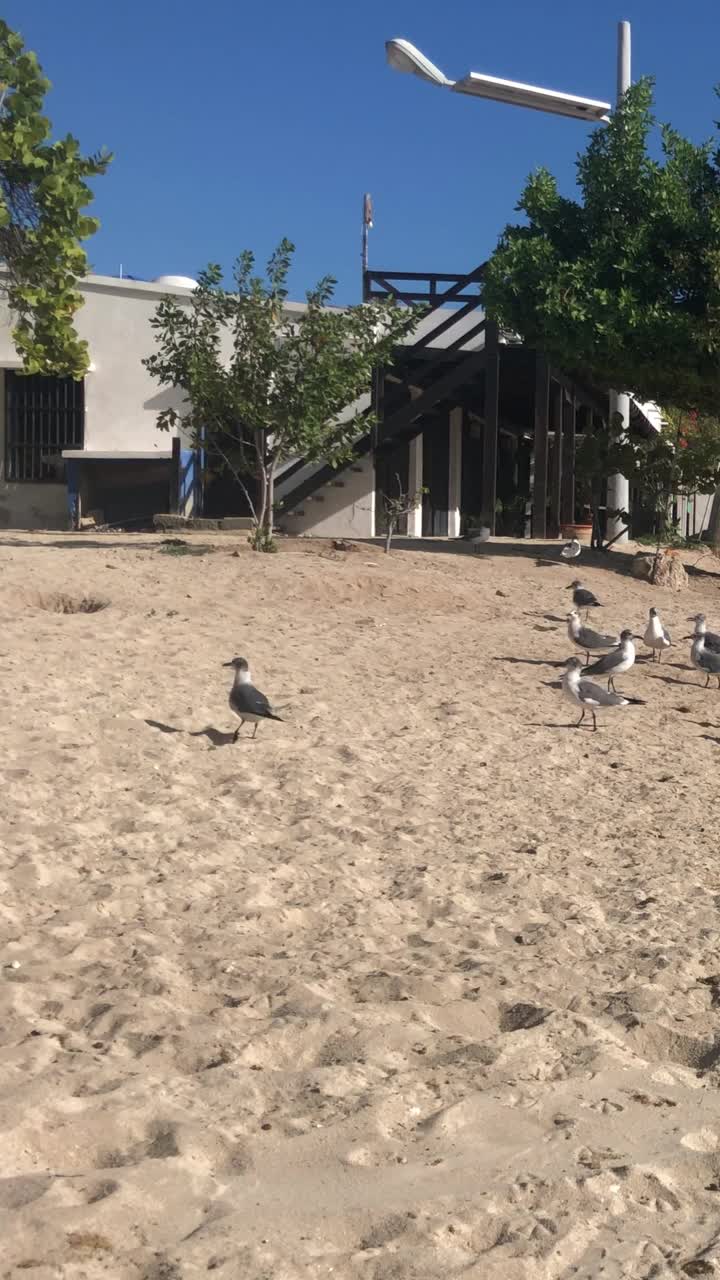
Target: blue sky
234,124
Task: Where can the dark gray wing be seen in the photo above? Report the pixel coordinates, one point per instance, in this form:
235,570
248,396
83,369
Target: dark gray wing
245,699
605,664
586,599
712,641
710,661
587,638
592,694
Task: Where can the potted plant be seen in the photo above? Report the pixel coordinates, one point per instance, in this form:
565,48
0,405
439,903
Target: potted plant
580,528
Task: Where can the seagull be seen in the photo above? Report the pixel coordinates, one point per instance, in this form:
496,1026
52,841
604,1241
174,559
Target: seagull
571,550
591,697
245,700
712,639
617,662
704,659
582,598
587,639
656,637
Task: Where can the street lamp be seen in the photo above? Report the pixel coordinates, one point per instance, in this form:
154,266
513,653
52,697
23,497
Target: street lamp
403,56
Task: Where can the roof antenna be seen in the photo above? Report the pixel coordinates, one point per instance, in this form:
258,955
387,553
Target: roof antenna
367,224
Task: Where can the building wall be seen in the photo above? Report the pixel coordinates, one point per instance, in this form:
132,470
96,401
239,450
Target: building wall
347,512
122,401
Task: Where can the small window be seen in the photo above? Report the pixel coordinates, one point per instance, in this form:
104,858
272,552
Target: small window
43,416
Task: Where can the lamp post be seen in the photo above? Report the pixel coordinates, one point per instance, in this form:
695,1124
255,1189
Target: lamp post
403,56
618,487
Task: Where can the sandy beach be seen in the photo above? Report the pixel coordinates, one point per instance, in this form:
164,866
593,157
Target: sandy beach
421,983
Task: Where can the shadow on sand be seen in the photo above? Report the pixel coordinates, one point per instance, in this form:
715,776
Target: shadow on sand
528,662
215,736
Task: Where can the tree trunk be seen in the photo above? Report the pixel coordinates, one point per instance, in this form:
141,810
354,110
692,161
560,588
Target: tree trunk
269,499
389,536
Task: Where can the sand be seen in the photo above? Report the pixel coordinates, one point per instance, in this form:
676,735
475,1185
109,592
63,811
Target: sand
420,983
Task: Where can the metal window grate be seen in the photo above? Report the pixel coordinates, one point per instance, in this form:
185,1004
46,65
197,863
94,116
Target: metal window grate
43,416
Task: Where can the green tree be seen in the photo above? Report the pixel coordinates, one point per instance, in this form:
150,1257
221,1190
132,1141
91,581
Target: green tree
43,191
623,284
680,460
265,383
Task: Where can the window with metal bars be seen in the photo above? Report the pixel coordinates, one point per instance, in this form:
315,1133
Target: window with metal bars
43,416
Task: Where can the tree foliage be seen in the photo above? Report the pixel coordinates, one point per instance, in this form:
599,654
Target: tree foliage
623,284
680,460
43,192
265,382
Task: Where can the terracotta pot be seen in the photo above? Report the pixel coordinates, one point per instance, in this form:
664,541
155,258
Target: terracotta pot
583,532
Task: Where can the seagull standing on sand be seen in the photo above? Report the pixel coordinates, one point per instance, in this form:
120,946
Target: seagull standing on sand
656,637
245,700
571,550
617,662
703,659
591,697
712,639
587,639
582,598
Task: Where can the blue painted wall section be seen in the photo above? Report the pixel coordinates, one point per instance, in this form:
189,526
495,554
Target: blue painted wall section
188,486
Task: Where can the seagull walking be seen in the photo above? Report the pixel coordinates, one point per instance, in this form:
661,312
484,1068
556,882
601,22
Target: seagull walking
245,700
571,550
587,639
615,663
657,637
591,697
703,659
712,639
582,598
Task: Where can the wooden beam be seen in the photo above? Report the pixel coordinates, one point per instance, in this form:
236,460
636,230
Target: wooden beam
567,495
402,419
556,397
582,394
448,323
490,435
540,481
452,277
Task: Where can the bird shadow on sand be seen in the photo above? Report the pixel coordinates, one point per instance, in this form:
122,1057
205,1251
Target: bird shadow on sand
528,662
215,736
553,724
691,684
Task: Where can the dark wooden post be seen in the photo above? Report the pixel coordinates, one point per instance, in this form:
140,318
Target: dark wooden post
490,435
540,482
567,496
556,397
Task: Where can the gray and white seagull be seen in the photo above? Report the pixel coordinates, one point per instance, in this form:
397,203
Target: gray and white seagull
587,639
591,697
657,637
582,598
617,662
245,700
703,659
712,639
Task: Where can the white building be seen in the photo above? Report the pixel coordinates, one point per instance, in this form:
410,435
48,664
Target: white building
110,418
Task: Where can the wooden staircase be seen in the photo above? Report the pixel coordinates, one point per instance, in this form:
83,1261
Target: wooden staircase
448,349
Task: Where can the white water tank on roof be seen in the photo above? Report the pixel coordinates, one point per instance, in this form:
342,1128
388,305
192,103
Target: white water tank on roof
176,282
